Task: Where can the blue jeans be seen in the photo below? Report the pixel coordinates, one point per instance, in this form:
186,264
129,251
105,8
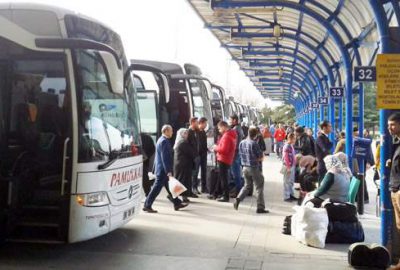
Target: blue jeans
200,164
279,148
160,182
236,172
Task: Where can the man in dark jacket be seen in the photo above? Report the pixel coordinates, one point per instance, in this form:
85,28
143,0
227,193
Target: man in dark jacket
394,163
148,151
193,139
323,147
203,151
303,142
236,169
163,170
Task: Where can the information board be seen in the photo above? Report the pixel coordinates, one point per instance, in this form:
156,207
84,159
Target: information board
388,81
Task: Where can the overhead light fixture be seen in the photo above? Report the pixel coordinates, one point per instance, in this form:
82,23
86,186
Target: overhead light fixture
280,72
278,31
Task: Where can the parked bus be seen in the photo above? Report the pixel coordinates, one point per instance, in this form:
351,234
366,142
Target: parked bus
167,96
218,103
71,164
230,106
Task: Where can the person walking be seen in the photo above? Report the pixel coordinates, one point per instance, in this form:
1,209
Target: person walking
279,136
183,158
202,164
163,170
193,139
289,165
225,150
251,155
323,147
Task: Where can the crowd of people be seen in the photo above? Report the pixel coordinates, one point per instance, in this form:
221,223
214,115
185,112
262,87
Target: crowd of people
313,164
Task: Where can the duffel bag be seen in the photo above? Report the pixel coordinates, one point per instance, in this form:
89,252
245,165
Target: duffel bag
368,255
344,232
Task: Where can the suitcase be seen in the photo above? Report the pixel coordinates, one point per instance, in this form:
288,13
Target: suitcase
213,182
344,232
368,255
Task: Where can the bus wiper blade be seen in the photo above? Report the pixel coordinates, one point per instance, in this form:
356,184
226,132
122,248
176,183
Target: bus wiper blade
112,157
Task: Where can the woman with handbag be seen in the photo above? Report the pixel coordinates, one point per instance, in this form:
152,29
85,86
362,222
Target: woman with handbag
183,157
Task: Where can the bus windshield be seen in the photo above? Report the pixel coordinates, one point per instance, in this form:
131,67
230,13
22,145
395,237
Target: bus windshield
105,124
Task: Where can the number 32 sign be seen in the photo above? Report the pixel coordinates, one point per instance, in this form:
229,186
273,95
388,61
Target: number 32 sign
365,74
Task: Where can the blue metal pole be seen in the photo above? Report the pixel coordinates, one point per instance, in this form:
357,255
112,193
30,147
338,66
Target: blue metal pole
341,114
315,127
386,205
332,120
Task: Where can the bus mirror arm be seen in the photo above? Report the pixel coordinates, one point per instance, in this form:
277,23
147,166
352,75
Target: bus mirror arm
77,43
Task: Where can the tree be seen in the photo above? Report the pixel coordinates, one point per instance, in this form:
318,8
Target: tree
284,113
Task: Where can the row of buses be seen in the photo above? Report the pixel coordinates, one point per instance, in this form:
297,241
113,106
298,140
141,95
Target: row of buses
72,108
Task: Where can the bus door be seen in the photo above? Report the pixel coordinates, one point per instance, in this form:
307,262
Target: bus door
148,110
36,141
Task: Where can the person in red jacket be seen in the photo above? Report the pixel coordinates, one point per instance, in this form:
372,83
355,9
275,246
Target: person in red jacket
225,150
279,136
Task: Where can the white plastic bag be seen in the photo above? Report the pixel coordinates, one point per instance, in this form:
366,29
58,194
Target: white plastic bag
311,226
175,187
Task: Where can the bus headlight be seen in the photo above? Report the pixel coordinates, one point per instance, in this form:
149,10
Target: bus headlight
93,199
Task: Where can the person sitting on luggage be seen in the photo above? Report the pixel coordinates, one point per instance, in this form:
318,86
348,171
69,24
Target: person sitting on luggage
183,157
335,184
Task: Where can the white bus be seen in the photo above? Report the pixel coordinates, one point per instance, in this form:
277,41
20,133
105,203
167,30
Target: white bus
70,158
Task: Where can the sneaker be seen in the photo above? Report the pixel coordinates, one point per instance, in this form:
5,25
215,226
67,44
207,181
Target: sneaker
192,195
211,197
180,206
236,204
185,199
196,191
223,199
293,198
262,211
149,210
288,200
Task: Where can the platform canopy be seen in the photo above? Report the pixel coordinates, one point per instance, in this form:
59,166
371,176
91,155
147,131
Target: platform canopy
293,51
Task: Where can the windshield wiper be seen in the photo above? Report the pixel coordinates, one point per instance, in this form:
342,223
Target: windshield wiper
112,157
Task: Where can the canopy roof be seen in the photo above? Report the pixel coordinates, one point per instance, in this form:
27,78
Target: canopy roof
293,50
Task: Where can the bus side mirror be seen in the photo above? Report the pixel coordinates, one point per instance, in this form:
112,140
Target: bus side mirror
115,73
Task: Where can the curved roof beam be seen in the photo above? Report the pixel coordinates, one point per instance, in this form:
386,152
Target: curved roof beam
330,29
328,53
303,62
292,37
300,59
297,76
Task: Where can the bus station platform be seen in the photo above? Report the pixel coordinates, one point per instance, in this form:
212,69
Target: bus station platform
205,235
212,235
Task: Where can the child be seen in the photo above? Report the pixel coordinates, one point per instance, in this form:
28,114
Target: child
289,162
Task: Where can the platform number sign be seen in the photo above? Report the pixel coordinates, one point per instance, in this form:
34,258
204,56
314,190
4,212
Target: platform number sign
322,100
336,92
314,105
365,74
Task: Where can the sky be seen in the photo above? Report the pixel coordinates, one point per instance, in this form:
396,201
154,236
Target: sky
168,30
